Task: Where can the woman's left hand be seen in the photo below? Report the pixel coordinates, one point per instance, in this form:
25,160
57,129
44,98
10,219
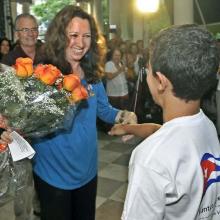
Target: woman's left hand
126,117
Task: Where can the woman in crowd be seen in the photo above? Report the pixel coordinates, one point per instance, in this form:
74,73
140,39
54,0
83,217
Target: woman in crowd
140,47
116,83
133,57
65,164
5,46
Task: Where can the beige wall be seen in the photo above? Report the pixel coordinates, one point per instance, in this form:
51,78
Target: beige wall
183,11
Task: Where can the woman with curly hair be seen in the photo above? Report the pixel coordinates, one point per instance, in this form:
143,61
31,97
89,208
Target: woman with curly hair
62,50
65,164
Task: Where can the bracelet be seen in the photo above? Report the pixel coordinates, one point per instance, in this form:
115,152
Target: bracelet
2,130
120,116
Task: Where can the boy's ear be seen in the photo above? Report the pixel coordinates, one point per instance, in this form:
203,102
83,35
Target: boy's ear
163,82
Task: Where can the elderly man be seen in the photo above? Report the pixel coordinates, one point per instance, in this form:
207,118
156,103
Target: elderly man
26,33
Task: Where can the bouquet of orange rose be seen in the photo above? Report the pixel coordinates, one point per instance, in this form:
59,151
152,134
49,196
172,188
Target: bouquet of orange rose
35,102
38,101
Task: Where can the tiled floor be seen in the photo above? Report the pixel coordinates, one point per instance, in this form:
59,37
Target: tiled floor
112,178
113,172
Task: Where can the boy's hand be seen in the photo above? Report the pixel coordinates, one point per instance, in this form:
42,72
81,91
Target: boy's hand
123,117
117,129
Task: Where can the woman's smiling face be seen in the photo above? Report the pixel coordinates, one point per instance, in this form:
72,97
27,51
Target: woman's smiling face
79,35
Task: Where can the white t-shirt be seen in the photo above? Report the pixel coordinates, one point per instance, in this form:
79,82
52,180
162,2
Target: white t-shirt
165,174
118,85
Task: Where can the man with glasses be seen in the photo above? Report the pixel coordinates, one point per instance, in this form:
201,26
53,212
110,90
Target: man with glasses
26,33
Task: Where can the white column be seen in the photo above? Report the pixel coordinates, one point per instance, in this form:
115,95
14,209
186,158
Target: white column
139,26
97,12
26,7
13,10
114,13
183,12
9,22
126,19
14,15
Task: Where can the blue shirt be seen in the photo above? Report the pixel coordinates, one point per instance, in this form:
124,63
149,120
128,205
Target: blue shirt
68,160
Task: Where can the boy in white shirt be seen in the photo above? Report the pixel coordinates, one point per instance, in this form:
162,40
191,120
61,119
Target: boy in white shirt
175,173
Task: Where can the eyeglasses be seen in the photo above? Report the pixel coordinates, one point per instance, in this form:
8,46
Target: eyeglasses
27,30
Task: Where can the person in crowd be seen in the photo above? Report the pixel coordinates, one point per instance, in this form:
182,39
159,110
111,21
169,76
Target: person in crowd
116,83
65,164
133,73
173,174
133,58
128,42
26,33
123,49
131,76
140,47
5,47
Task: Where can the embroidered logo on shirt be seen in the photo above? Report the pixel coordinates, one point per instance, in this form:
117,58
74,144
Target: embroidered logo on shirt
210,167
90,90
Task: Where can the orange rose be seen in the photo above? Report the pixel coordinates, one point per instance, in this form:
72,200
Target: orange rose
79,93
70,82
48,74
24,67
3,147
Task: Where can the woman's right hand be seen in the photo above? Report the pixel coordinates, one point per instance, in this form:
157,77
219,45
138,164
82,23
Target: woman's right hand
5,132
6,137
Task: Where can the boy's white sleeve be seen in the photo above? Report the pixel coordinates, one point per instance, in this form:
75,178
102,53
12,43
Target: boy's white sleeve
145,197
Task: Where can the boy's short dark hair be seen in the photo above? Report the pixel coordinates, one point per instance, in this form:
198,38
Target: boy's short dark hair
188,56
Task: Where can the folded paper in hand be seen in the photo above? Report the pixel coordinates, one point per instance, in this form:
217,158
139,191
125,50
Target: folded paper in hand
20,148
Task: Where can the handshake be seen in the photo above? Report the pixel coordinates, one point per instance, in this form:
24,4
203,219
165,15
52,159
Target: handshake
123,118
127,126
